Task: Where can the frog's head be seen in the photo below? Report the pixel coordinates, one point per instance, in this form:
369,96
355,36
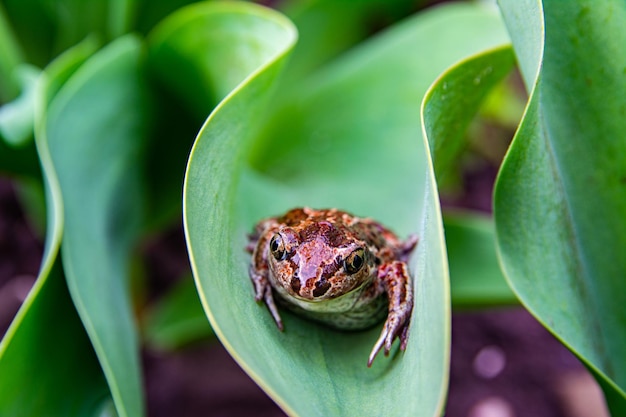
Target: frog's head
317,261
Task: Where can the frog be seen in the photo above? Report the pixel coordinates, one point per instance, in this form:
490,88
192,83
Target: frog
333,267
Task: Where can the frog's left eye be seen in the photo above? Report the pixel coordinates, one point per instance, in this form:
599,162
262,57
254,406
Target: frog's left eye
355,261
277,247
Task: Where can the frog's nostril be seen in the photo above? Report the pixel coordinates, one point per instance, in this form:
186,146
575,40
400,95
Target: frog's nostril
321,288
295,285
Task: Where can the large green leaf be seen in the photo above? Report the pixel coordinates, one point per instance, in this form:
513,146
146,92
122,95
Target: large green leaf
349,137
47,364
560,201
96,133
454,100
187,94
448,108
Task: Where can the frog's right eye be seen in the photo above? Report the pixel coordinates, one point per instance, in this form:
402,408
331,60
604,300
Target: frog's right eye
277,247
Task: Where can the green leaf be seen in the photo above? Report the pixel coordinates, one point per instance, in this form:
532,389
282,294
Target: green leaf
96,133
448,108
16,117
149,13
560,201
475,276
47,28
47,364
229,54
347,137
178,319
10,59
345,24
454,100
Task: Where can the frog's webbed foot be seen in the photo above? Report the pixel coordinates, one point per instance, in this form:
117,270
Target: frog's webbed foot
395,279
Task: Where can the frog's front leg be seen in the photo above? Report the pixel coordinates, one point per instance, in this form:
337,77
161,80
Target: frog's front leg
395,279
259,269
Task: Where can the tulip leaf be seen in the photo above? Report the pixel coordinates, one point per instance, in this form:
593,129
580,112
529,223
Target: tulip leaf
95,131
348,136
47,363
560,200
454,100
448,108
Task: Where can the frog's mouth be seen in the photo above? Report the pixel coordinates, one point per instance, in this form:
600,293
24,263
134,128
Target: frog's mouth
338,304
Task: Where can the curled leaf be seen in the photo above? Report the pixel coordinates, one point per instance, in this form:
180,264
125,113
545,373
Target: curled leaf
348,137
560,200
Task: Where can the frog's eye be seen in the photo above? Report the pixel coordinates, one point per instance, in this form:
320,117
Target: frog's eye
277,247
355,261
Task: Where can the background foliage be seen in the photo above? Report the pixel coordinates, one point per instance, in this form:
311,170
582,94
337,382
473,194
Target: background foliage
101,102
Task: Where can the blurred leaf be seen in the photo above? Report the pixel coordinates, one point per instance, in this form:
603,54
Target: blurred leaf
16,117
560,201
150,12
454,100
96,130
10,59
46,28
448,108
47,364
349,137
178,107
177,319
505,104
173,127
344,23
475,276
202,80
22,161
174,64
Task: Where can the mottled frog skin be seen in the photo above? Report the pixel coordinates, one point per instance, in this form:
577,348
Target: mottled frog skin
336,268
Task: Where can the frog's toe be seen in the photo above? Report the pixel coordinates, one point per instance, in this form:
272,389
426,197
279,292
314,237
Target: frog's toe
404,336
393,328
384,343
268,298
377,346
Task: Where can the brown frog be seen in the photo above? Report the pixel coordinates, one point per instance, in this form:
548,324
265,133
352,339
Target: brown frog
336,268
